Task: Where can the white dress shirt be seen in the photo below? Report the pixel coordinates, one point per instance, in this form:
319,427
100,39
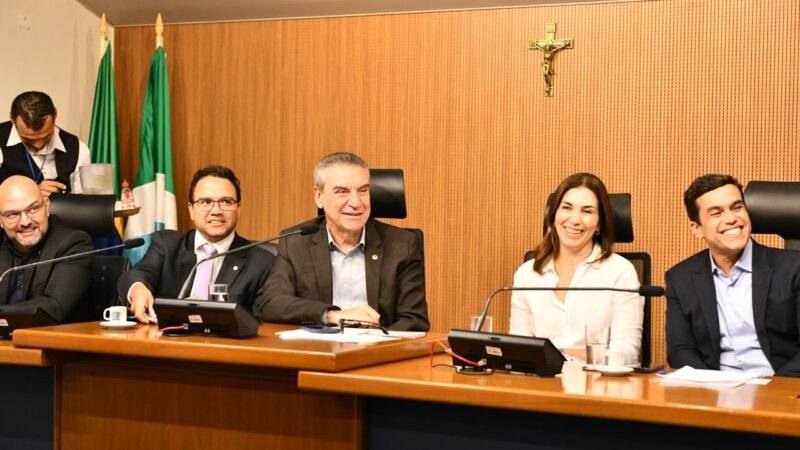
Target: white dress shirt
541,314
45,156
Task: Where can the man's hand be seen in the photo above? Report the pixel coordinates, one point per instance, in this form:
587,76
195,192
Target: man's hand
51,187
363,313
141,302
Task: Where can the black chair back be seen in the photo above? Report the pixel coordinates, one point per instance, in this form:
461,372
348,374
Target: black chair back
774,208
93,214
620,210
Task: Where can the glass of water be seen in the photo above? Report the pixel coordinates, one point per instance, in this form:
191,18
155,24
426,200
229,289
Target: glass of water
597,340
218,293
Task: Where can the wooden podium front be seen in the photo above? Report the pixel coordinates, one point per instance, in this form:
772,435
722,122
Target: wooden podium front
136,389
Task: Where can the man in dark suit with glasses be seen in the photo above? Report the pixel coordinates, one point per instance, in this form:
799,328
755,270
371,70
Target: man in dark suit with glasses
32,235
214,203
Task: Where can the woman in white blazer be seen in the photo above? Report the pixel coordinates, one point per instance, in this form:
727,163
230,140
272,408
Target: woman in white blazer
576,251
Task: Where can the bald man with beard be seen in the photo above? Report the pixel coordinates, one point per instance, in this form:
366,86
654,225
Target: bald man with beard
31,235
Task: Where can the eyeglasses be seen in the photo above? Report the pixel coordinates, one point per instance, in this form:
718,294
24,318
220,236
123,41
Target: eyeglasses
352,323
206,204
32,212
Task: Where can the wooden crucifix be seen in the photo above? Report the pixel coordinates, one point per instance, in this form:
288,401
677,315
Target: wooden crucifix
549,46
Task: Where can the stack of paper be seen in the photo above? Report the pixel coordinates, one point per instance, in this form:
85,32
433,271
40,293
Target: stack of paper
710,378
357,335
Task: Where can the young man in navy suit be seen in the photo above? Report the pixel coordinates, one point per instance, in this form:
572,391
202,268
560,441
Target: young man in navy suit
736,305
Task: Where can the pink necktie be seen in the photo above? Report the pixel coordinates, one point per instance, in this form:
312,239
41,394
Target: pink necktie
204,273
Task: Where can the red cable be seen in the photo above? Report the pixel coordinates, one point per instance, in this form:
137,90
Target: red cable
453,354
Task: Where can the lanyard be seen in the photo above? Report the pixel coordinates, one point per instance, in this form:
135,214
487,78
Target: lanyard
31,163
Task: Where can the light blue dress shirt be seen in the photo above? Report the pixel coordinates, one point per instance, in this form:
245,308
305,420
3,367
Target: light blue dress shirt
740,349
349,274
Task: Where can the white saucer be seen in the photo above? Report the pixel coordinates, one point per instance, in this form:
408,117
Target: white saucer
118,325
614,371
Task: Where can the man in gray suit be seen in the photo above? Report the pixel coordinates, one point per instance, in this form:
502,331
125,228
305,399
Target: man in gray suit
354,267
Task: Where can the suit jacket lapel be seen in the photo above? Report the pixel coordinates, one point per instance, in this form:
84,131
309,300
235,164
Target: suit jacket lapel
707,298
187,260
762,275
5,264
233,265
373,257
321,256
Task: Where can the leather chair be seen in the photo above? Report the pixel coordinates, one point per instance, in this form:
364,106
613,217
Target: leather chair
95,215
388,199
623,233
774,208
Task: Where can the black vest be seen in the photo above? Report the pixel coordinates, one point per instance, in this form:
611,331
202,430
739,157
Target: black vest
15,162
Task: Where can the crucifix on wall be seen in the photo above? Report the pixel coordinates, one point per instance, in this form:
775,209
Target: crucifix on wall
549,46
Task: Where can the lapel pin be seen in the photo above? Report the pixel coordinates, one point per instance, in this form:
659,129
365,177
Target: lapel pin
374,257
235,267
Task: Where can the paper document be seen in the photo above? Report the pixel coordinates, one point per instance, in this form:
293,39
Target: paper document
357,335
710,378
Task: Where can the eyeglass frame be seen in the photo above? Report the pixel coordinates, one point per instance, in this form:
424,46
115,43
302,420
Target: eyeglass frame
211,204
354,323
27,211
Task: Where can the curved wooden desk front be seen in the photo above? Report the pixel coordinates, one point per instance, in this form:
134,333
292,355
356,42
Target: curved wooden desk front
135,389
769,409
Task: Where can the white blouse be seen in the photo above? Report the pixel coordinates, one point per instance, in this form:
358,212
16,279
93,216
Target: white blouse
541,314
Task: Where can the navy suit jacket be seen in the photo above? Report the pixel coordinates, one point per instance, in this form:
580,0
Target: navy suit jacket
693,336
171,256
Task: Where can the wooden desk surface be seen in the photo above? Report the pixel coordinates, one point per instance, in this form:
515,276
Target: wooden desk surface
773,408
266,349
9,354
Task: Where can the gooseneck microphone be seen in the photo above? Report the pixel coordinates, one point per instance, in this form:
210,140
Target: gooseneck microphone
644,290
304,229
130,243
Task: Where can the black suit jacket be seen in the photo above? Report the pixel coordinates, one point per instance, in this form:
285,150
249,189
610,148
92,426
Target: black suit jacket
171,256
57,288
693,336
300,286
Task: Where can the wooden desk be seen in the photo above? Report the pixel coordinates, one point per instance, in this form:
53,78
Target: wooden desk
136,389
28,388
771,409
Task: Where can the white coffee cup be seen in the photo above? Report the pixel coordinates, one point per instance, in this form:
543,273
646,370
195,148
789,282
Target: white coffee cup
115,314
615,358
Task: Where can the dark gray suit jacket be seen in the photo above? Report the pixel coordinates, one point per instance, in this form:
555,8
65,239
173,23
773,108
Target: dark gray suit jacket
300,286
171,256
693,336
57,288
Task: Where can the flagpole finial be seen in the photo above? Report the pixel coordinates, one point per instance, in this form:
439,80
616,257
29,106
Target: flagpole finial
159,31
103,34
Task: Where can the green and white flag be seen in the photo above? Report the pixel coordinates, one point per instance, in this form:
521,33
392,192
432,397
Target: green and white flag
154,187
103,133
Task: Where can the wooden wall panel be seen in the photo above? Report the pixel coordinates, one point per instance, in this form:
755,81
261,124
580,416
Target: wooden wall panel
653,95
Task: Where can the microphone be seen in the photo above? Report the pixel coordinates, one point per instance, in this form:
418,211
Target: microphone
304,229
130,243
644,290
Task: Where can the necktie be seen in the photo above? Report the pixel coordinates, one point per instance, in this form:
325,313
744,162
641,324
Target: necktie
204,273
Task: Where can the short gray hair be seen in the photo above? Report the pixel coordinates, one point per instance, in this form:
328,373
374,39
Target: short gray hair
345,158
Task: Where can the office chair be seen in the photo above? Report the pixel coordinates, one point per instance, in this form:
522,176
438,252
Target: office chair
388,200
623,233
93,214
774,208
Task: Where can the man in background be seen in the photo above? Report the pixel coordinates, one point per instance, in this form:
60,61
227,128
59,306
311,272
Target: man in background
33,146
